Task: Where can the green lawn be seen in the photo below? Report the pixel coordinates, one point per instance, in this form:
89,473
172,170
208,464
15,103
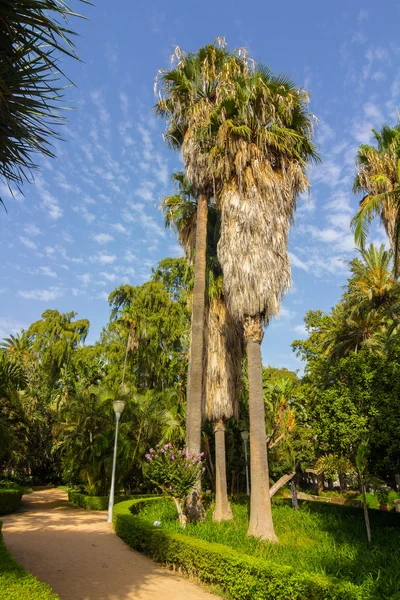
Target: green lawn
319,538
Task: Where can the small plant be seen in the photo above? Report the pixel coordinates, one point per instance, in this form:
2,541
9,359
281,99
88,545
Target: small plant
175,472
382,494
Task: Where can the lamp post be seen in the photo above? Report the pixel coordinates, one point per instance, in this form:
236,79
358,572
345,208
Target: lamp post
245,438
118,406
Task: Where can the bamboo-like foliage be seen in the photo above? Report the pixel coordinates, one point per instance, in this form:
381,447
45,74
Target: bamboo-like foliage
378,178
31,40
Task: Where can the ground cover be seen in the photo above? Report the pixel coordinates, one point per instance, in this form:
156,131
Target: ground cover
16,583
319,538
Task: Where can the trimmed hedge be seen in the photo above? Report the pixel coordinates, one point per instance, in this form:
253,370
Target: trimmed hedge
93,502
244,577
18,584
10,499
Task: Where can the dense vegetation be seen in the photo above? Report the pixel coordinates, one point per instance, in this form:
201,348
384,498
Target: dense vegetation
321,539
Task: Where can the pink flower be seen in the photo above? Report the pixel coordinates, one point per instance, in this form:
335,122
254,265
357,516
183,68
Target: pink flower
148,456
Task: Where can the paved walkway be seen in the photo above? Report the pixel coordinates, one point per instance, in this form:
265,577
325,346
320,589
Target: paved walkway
80,556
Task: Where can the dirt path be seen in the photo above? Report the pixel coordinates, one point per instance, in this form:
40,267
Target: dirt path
80,556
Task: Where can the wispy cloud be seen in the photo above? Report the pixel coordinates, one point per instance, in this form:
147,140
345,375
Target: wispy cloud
42,295
28,243
10,327
103,258
102,238
32,230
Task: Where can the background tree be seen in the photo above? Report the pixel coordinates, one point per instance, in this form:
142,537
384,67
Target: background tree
378,178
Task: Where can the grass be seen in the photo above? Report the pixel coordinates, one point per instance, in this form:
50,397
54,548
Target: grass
18,584
319,538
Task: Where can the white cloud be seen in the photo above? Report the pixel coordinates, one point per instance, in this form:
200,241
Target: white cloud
83,211
362,15
102,238
145,191
42,295
103,258
85,278
324,132
300,330
32,230
10,193
10,327
109,276
296,262
119,227
27,243
129,256
47,271
103,296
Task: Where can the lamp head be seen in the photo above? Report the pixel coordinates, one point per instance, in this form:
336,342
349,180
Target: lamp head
118,406
245,435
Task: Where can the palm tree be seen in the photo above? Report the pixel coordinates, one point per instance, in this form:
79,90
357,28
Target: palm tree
259,161
188,95
30,92
378,178
224,348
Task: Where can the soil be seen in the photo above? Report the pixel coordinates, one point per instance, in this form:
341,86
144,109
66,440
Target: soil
80,556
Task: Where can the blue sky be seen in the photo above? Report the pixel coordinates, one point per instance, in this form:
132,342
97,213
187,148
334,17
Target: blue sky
90,221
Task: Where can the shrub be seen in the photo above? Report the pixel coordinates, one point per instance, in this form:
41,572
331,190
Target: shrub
244,577
16,583
175,473
10,499
93,502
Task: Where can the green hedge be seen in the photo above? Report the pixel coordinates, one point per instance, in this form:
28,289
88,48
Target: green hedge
94,502
18,584
10,499
244,577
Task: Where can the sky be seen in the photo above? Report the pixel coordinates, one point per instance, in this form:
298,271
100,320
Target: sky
90,220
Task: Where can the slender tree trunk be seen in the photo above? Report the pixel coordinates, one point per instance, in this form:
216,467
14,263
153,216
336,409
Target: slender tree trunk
193,507
366,515
222,510
295,502
179,510
261,524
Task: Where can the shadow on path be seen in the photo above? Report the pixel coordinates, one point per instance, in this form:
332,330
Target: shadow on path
79,555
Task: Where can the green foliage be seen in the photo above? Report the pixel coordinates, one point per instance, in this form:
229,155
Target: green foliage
174,471
10,499
32,40
91,502
96,502
240,575
319,538
16,583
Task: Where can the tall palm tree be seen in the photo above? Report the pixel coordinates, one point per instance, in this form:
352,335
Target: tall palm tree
378,178
262,147
188,95
32,40
223,348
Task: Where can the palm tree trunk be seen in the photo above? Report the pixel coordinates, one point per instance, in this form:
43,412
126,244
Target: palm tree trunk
222,510
261,524
193,506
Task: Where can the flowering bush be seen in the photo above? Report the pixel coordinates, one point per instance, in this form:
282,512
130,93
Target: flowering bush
175,473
